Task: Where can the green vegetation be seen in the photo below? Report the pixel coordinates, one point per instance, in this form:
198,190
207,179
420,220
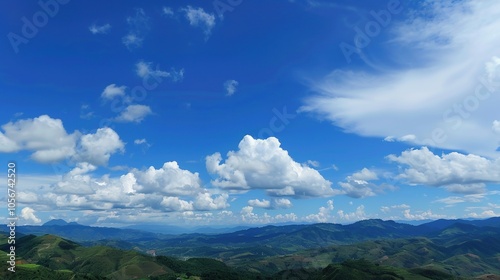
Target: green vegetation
388,251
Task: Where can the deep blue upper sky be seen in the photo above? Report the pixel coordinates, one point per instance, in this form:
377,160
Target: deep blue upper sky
251,112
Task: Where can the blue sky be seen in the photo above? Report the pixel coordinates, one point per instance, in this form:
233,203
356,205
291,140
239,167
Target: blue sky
251,112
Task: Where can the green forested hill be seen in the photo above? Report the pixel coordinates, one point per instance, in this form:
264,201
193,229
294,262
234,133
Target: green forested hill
444,249
52,257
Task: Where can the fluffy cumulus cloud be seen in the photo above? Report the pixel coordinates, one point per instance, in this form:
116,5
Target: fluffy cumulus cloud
173,203
263,164
112,91
134,113
248,216
230,87
267,204
358,184
43,135
28,214
485,211
168,180
205,201
100,29
457,172
443,96
97,148
168,189
357,215
282,203
259,203
199,18
49,142
323,215
421,215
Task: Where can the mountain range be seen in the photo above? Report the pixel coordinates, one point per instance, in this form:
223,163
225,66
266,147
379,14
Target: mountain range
443,248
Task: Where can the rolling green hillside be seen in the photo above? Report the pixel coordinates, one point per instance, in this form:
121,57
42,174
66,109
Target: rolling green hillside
52,257
470,258
446,248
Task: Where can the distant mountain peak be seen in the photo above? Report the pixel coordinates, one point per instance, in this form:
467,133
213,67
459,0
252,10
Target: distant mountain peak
56,222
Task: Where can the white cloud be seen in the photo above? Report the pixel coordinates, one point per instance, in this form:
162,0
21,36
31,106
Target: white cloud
406,138
282,203
168,180
496,126
323,215
247,214
358,184
82,168
421,215
134,113
205,202
140,141
45,136
442,94
144,70
138,27
461,199
484,211
457,172
263,164
100,29
97,148
166,189
266,204
230,87
199,18
387,209
27,197
168,11
112,91
313,163
176,204
132,41
50,143
365,174
260,203
28,214
85,112
7,145
357,215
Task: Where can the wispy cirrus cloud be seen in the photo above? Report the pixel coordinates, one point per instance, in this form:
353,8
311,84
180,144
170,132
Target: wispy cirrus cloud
441,94
139,25
145,69
230,86
100,29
